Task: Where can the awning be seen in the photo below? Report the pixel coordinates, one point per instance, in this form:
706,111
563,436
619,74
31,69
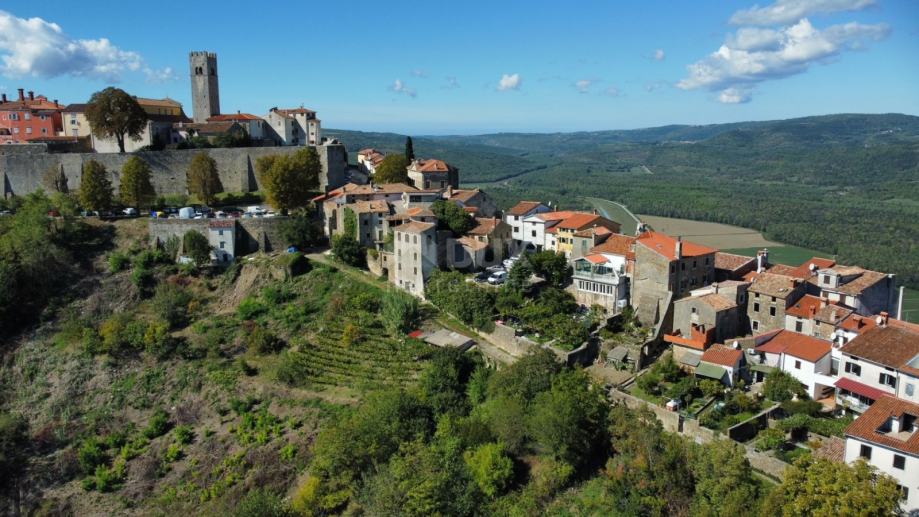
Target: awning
711,371
618,354
762,368
861,389
691,359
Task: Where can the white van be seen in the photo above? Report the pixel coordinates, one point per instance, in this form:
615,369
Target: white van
497,278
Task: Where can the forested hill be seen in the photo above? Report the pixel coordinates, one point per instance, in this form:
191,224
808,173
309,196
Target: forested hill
845,184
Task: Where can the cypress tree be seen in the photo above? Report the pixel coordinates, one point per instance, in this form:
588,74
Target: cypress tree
409,149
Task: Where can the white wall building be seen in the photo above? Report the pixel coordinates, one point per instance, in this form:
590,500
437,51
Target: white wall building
886,437
221,235
521,211
805,358
415,250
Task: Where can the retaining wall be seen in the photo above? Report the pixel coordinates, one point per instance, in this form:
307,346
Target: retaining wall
254,234
22,167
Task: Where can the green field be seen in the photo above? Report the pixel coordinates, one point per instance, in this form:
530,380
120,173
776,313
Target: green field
795,256
616,212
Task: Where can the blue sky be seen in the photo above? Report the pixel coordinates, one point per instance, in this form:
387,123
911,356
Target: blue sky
475,67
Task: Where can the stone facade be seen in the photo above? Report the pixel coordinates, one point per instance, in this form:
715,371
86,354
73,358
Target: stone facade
21,167
250,234
205,89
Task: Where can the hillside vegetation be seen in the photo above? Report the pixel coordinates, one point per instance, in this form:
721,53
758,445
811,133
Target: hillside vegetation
847,185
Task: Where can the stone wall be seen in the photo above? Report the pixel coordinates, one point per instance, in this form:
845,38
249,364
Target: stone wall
506,338
253,234
21,167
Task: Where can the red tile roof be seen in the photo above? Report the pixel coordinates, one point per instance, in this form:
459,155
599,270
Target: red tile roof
858,388
723,355
414,227
472,243
596,259
524,207
893,345
772,284
665,245
234,117
805,271
617,244
430,165
731,262
806,307
868,426
485,225
797,345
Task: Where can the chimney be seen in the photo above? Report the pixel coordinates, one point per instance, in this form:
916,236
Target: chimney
31,95
22,94
762,260
824,301
833,316
56,105
678,248
882,318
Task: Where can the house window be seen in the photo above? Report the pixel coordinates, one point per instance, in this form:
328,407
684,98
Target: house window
222,243
904,492
826,279
899,462
888,380
854,369
909,390
756,307
772,311
797,365
533,233
865,452
693,310
28,131
220,232
799,326
755,325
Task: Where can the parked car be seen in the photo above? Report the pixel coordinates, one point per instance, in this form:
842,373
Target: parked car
482,276
509,263
497,278
493,269
129,211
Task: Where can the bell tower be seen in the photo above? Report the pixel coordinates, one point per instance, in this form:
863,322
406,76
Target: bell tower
205,90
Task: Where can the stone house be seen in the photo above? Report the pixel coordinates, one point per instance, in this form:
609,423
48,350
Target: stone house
712,315
488,243
221,235
771,295
253,125
866,292
369,159
433,174
729,266
416,255
667,268
294,126
474,201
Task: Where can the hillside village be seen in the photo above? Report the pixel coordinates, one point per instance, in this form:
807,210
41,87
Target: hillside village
787,360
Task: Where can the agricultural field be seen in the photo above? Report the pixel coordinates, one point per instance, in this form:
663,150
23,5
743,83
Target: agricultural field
715,235
616,212
782,254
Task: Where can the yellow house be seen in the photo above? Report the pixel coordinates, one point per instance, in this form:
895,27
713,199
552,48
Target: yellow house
165,106
74,121
562,234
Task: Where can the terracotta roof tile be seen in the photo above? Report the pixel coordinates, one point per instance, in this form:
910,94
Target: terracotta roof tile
772,284
805,270
731,262
806,307
809,348
471,243
524,207
869,425
430,166
234,117
665,245
464,195
892,345
617,244
722,355
485,226
414,227
717,301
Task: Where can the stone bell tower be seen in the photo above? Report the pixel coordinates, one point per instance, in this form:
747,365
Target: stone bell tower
205,90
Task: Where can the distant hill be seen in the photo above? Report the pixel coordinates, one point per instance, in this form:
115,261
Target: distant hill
845,184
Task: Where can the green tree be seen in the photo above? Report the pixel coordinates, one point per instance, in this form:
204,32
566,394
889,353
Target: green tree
348,250
302,231
443,382
518,278
171,302
569,420
409,149
95,188
531,375
55,180
196,247
816,487
399,311
491,469
203,179
781,386
711,465
136,189
113,113
393,169
452,216
552,266
288,180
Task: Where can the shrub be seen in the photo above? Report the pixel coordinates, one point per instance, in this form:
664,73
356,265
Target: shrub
173,453
770,439
262,341
781,386
196,247
91,455
184,434
302,232
157,339
250,308
158,425
170,302
711,388
297,264
118,262
348,250
491,469
261,503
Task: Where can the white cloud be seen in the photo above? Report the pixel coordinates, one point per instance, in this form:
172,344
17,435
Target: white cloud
451,83
734,96
789,11
612,91
654,86
509,82
659,54
419,72
399,87
752,56
162,75
583,86
37,48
